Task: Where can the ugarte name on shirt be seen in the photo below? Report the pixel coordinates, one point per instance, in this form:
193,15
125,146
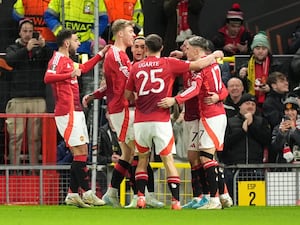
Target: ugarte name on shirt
148,64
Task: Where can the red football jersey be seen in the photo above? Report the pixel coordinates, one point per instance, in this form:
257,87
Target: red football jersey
191,109
152,79
116,69
65,88
208,80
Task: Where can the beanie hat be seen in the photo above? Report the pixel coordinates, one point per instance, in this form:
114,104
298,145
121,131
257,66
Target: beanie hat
235,13
25,20
246,97
291,103
260,39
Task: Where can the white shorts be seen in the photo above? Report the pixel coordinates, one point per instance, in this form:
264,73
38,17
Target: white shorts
212,132
191,135
123,124
72,127
159,134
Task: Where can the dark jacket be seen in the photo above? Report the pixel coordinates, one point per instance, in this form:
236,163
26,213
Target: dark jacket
231,108
242,147
273,108
27,77
108,145
292,138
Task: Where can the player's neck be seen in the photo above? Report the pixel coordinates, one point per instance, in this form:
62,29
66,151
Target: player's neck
119,44
64,51
156,54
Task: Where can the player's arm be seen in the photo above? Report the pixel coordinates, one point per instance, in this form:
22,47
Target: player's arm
215,97
129,95
130,88
206,61
87,66
51,76
54,74
189,93
97,94
177,54
224,92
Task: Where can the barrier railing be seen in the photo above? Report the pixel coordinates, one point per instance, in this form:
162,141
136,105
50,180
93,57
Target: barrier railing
255,184
48,136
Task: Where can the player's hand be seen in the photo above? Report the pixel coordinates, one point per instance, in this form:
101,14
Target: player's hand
86,99
218,54
212,99
76,73
176,54
166,102
104,50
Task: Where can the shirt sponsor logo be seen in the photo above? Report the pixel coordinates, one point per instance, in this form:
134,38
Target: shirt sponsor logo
74,81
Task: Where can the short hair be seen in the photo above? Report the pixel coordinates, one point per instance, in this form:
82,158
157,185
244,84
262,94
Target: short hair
200,42
63,35
120,24
275,76
154,42
139,38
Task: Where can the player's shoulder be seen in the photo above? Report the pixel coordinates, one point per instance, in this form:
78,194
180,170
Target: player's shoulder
59,58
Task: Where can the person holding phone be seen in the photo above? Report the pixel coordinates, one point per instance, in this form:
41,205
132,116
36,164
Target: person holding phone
286,135
29,57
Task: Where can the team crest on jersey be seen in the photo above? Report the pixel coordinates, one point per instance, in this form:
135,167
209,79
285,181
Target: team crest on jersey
81,138
53,67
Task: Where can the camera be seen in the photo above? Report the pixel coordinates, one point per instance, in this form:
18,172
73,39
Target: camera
35,35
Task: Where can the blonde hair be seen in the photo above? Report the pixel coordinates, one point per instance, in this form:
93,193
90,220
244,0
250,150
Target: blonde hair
120,24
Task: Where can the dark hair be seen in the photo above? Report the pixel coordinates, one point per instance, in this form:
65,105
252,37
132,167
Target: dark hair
275,76
154,42
63,35
139,38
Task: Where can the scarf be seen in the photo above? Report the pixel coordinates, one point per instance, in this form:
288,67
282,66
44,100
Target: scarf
252,75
